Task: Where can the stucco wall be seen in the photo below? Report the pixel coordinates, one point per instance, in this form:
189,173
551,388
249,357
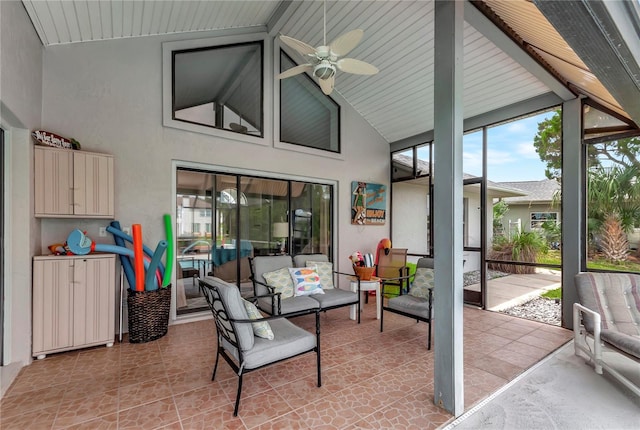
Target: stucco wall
20,109
108,95
410,217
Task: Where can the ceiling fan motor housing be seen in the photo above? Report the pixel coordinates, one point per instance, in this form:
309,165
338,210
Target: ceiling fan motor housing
324,70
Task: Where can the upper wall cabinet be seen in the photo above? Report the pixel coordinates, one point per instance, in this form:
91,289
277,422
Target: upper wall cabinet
70,184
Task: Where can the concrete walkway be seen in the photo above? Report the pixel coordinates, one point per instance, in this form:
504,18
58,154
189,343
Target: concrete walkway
513,290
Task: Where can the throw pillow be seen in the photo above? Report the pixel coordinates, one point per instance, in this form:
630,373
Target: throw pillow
422,283
280,281
305,281
324,269
260,329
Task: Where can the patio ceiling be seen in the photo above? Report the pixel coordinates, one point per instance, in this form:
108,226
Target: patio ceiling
512,52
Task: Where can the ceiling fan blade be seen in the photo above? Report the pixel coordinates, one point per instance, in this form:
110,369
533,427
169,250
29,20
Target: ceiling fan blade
350,65
299,46
238,127
327,84
345,43
295,71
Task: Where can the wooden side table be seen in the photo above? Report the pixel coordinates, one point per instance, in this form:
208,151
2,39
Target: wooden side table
365,287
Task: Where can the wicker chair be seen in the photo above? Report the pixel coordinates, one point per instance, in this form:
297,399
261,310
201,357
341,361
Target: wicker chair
238,345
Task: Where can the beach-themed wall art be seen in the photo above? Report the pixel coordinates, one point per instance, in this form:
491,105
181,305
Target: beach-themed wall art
368,203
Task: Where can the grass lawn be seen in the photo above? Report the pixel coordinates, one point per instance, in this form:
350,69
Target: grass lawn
553,294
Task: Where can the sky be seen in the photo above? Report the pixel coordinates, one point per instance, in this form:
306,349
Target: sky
511,155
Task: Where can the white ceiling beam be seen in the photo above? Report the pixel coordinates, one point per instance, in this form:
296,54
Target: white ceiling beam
481,23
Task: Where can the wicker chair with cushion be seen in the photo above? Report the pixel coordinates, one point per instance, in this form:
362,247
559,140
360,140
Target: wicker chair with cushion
417,301
609,315
247,341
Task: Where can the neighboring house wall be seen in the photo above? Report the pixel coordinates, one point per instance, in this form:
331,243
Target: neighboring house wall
523,212
410,218
20,110
410,221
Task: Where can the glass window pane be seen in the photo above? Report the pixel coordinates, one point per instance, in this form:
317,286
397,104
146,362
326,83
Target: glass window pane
311,218
220,87
524,173
472,154
193,236
613,205
402,165
307,116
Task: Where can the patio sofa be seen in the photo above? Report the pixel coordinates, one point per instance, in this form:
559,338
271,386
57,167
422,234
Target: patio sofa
609,315
274,300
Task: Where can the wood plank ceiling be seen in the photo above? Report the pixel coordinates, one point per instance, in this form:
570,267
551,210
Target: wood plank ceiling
398,102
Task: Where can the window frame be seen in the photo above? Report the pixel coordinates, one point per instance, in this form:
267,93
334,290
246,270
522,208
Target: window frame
335,96
538,227
212,42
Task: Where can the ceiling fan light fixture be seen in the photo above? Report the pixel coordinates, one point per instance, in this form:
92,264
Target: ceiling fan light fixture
324,70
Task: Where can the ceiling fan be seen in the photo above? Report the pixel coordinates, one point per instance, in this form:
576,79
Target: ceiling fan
325,61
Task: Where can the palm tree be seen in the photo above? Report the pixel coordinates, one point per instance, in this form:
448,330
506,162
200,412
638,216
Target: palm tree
613,205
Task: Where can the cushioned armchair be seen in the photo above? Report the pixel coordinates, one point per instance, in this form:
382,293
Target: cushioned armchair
417,301
246,340
609,315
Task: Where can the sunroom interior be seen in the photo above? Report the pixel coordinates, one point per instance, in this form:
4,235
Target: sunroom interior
262,178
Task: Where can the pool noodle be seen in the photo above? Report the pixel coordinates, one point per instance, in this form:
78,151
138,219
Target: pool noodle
117,232
149,284
138,256
168,228
127,267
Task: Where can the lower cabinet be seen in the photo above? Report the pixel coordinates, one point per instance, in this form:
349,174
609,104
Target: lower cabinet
73,302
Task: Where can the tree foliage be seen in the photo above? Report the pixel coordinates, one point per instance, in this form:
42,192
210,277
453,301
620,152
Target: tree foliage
548,142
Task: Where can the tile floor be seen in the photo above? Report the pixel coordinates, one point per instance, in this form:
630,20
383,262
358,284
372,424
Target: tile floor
371,380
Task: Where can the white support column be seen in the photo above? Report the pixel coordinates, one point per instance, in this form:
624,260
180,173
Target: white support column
448,211
572,204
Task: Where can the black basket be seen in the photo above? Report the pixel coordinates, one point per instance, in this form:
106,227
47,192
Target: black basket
148,314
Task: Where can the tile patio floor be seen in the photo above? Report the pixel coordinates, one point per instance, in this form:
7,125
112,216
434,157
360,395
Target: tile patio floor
371,380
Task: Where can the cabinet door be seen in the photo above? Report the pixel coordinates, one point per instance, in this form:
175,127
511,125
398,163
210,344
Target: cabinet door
94,300
52,305
93,184
53,181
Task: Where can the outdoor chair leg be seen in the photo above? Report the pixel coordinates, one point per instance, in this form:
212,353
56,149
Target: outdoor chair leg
235,410
215,366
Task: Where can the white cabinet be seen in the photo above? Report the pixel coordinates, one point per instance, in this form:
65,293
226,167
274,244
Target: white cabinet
70,184
73,302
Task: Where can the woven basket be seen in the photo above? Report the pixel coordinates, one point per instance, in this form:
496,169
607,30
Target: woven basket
364,273
148,314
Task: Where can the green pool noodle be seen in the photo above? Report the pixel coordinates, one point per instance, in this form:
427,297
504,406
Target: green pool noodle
168,270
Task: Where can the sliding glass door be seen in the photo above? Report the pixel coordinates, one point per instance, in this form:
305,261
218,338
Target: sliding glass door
224,219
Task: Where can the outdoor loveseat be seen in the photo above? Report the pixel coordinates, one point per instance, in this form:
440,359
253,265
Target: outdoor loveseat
609,315
272,283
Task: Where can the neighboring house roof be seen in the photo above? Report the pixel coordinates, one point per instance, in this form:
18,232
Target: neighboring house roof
533,191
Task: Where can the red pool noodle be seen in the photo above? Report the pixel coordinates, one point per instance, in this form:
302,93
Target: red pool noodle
138,256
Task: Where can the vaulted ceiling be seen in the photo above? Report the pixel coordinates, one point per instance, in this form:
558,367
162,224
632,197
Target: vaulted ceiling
513,54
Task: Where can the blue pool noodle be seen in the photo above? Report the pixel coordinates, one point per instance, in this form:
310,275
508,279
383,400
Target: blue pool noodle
150,280
126,263
117,232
